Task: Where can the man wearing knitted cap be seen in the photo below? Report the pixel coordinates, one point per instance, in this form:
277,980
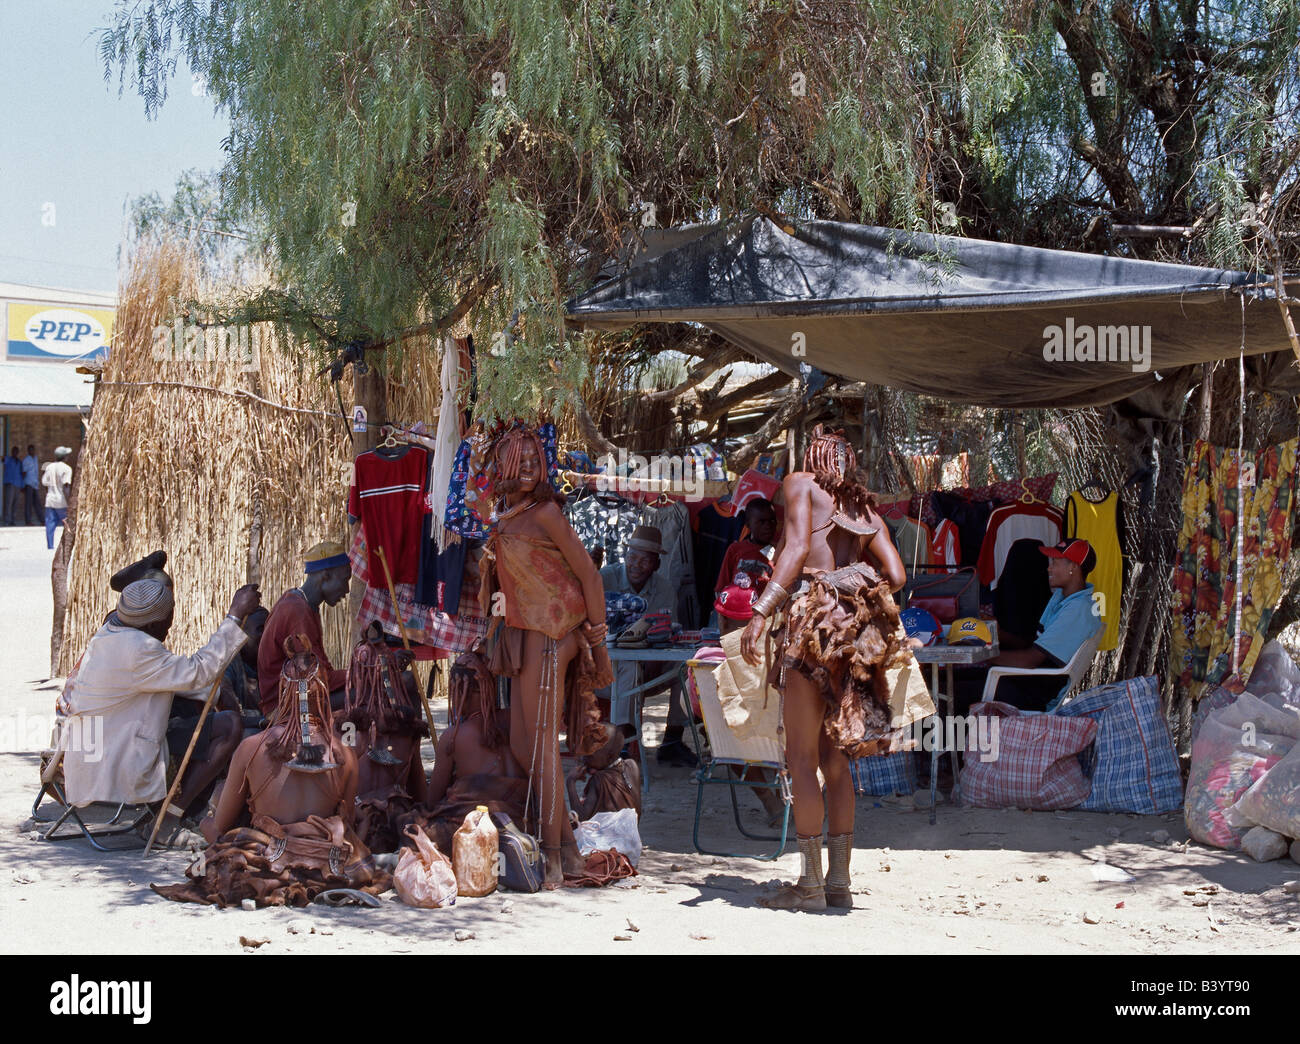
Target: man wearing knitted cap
123,694
298,612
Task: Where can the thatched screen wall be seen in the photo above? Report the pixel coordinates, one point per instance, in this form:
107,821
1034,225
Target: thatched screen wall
235,474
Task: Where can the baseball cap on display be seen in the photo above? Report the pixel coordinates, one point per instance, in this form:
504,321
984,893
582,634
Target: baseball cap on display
969,630
1077,551
921,624
736,602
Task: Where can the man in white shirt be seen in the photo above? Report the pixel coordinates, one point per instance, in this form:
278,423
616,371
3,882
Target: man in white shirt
57,480
117,706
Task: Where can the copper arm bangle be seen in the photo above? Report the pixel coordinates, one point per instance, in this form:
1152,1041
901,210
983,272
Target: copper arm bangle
773,597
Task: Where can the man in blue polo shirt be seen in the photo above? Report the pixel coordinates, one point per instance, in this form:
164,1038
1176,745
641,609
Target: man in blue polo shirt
1069,619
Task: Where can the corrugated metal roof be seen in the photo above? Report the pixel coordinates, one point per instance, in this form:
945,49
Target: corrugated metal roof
54,387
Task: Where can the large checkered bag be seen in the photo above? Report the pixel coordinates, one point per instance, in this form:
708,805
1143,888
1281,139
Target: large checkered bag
1032,760
1133,765
884,774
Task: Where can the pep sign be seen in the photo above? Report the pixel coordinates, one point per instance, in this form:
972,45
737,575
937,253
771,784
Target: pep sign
67,333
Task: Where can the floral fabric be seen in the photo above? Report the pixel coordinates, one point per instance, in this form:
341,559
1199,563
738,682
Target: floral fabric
1205,569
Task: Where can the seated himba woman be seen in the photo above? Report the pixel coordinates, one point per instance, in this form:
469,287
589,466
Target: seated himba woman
383,707
474,764
264,779
297,783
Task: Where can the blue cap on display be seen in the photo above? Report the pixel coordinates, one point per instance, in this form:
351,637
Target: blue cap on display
921,624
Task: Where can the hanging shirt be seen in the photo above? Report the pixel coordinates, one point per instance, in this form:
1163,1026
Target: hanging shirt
1023,591
912,537
971,517
1014,522
945,546
1098,523
388,496
717,527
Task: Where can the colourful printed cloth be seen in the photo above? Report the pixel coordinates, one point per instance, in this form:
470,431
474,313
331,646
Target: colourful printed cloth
425,625
470,497
1205,570
458,518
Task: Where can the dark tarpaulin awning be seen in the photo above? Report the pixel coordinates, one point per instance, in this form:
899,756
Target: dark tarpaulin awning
962,319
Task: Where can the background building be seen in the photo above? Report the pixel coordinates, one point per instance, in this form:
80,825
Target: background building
49,333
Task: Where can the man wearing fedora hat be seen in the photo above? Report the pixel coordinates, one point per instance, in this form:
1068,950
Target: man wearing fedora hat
639,574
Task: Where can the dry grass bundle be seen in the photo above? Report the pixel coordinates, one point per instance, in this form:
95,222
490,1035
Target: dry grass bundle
201,459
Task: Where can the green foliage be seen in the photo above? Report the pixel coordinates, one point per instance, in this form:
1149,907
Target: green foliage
398,151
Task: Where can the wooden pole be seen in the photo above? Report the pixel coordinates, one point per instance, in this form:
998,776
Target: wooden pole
180,771
406,642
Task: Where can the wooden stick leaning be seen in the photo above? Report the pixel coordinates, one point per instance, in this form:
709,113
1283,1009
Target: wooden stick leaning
406,642
180,771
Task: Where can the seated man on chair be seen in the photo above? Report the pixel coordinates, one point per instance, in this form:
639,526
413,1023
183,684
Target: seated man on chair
128,680
639,574
1070,619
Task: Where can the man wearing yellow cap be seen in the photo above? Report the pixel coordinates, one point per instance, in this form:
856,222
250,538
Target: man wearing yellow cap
298,612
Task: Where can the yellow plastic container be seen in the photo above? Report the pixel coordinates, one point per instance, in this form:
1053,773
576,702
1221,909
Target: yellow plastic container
474,854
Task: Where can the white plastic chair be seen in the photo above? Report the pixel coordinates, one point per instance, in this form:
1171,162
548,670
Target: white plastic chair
1075,669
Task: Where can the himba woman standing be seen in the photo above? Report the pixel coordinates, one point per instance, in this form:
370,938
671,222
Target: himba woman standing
541,579
834,573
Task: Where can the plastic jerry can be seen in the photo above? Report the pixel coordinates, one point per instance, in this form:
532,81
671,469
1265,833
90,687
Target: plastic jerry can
474,854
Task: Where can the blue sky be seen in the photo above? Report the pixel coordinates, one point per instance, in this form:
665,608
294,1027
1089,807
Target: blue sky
69,140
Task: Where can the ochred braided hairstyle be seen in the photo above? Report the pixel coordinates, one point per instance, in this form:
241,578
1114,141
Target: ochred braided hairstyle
507,454
834,467
301,664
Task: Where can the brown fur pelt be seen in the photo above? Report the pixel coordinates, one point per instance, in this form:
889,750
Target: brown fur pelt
844,642
278,865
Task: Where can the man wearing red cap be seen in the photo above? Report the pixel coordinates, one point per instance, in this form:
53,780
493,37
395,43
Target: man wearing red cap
1070,618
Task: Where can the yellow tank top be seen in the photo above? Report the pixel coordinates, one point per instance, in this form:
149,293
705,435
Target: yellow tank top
1097,523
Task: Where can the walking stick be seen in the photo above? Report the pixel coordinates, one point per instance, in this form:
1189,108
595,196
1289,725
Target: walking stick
406,642
180,772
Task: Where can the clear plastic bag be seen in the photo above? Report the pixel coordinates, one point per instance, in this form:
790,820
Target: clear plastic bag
424,876
1274,800
1227,759
610,830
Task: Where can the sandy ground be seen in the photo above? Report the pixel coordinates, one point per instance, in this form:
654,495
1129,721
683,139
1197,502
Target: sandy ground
978,881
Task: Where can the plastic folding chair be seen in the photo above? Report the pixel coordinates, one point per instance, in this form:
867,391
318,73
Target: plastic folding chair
1074,670
725,751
